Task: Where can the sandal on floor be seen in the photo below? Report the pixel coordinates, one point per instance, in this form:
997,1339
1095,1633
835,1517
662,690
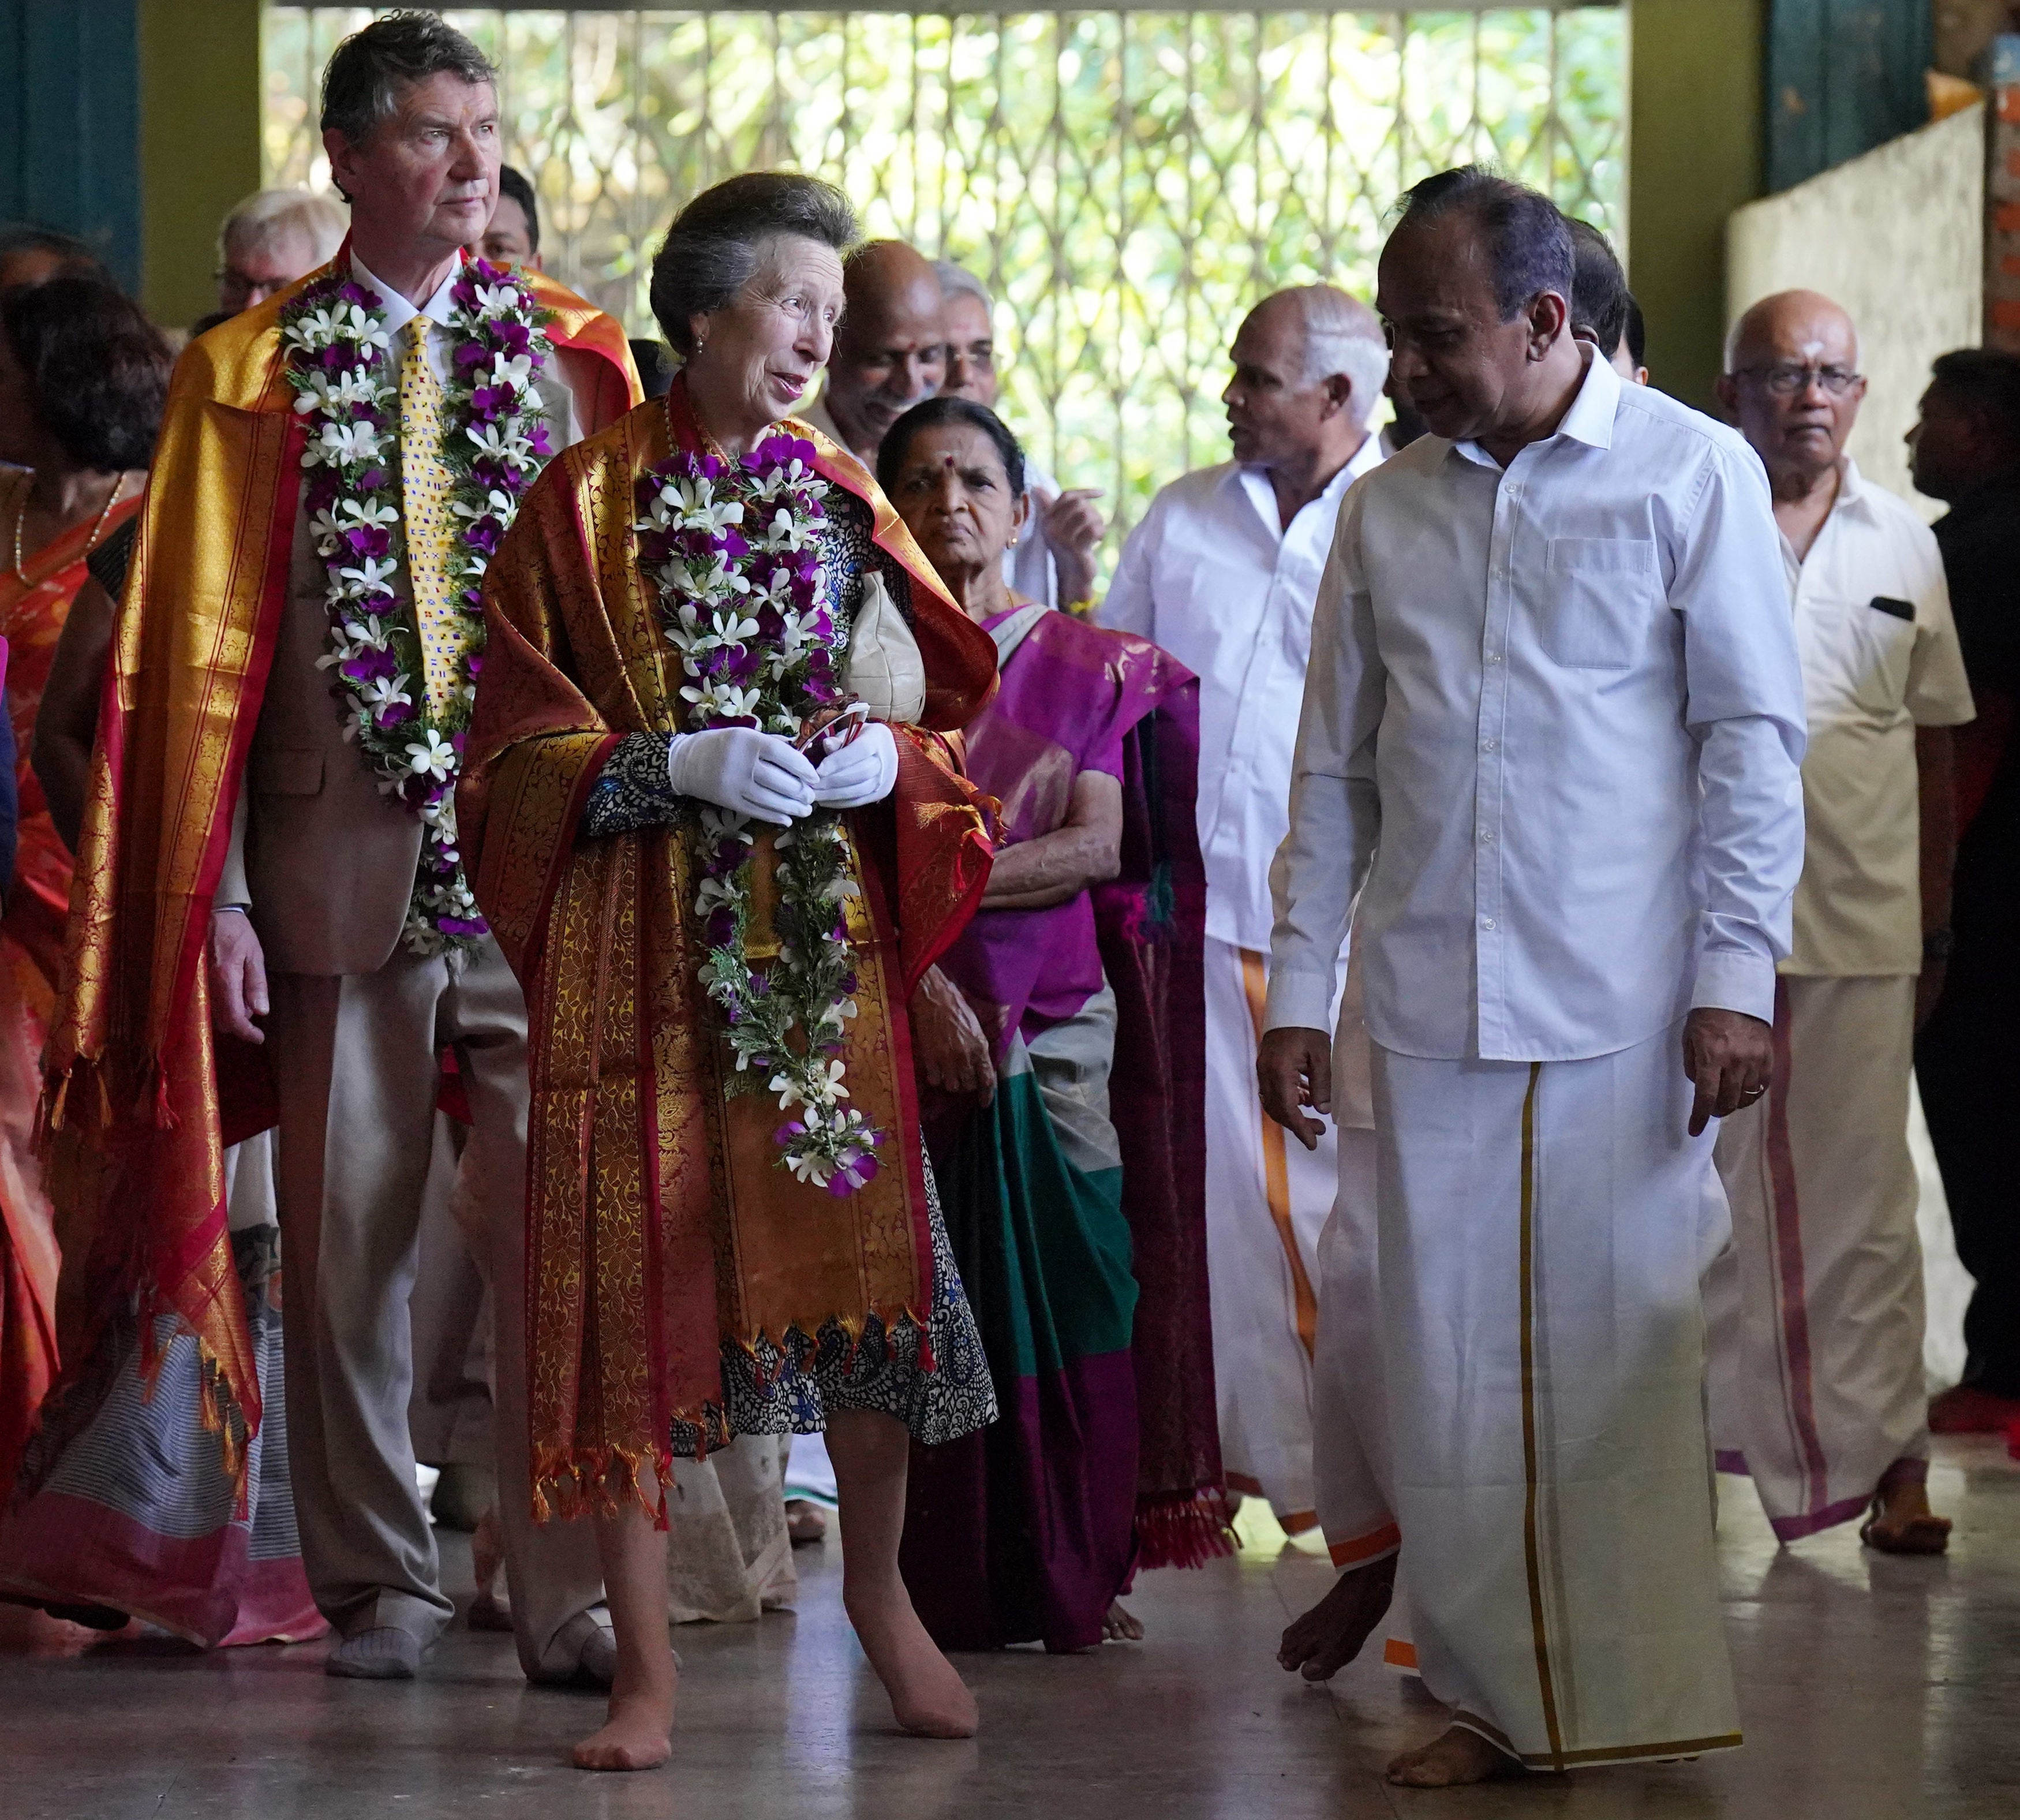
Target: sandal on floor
1919,1535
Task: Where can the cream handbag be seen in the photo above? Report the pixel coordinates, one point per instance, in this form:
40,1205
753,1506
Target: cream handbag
885,669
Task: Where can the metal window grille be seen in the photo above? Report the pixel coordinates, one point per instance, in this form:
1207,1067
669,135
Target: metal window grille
1127,182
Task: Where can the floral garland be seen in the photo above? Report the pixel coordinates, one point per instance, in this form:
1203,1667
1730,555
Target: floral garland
495,443
734,550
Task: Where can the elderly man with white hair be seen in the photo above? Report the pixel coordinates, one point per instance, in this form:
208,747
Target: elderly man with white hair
272,238
1223,573
1052,561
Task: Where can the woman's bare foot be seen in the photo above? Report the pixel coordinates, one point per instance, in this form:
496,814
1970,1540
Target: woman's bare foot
1456,1757
805,1522
1330,1636
1121,1624
1901,1523
928,1698
638,1735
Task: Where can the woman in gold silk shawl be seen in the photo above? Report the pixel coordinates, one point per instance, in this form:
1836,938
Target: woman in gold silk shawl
684,1283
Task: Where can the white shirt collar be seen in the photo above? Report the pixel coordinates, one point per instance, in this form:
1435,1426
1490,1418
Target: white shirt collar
1589,418
1253,483
439,309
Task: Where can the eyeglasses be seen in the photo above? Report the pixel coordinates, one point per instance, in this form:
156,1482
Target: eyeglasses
1786,380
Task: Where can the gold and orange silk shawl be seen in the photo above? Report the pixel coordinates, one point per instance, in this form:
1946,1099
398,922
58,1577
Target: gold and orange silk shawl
661,1222
33,606
140,1100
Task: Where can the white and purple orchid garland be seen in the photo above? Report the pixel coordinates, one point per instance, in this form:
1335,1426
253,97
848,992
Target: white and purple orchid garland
734,548
338,354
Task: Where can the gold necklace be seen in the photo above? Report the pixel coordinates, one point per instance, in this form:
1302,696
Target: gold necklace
21,515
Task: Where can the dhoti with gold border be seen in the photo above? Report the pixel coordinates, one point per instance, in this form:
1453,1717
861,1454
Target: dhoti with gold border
1544,1348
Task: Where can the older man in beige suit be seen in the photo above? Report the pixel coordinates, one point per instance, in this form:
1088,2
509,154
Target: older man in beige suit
321,926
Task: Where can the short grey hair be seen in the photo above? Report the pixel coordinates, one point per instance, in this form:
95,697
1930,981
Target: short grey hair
959,278
1342,337
268,216
710,252
367,74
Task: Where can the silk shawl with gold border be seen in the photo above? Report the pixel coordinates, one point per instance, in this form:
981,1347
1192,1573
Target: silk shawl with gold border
140,1094
661,1224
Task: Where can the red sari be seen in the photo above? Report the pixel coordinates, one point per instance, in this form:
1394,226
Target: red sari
34,605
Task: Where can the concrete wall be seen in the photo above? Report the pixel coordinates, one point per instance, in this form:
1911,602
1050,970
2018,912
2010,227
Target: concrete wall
199,142
1694,156
1897,238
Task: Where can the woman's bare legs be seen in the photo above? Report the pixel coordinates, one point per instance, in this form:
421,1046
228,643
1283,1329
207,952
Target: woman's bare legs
869,1452
638,1734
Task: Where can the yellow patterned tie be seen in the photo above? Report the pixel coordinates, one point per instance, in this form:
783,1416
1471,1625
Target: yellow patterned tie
430,526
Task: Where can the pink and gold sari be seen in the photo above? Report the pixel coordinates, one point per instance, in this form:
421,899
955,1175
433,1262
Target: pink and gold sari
34,604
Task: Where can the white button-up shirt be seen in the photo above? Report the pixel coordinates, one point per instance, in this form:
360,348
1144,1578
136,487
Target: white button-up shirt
1212,575
1880,658
1553,720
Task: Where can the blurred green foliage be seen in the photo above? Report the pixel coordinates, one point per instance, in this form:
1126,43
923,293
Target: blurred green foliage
1127,183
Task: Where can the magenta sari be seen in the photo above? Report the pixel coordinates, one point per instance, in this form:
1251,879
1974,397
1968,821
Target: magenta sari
1074,1200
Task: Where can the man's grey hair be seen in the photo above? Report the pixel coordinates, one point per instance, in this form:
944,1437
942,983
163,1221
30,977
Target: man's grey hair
959,278
267,216
368,73
1342,337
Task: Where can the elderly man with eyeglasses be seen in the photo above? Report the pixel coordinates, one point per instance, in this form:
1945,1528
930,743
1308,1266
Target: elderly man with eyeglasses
1816,1310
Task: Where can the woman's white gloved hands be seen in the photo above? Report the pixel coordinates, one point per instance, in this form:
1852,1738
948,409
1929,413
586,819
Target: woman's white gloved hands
740,769
864,771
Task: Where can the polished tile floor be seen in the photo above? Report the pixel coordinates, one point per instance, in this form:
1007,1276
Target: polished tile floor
1872,1690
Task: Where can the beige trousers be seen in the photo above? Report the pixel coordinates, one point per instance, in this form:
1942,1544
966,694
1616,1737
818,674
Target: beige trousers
354,1057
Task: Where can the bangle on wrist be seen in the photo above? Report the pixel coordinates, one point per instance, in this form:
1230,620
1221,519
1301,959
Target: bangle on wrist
244,909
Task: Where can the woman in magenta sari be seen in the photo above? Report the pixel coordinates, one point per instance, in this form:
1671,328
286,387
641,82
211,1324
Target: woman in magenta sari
1061,1047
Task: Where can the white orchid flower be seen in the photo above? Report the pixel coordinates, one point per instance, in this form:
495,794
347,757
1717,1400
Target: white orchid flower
810,1166
501,444
372,577
380,692
495,505
343,443
514,370
431,756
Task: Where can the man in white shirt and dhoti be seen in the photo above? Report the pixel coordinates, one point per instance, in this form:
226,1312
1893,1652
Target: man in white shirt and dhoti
1817,1311
1550,737
1222,571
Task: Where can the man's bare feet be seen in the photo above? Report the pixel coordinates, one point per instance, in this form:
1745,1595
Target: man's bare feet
1456,1757
1121,1624
1901,1523
1330,1636
638,1735
928,1698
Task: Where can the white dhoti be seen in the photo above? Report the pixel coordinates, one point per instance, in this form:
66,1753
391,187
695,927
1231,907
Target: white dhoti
1540,1232
1816,1311
1266,1202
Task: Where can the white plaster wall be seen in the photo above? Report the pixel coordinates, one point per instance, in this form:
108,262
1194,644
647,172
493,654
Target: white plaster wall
1897,238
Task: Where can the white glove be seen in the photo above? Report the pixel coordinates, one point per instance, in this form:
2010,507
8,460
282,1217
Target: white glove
864,771
740,769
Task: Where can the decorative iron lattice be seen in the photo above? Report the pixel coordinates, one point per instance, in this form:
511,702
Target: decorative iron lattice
1128,182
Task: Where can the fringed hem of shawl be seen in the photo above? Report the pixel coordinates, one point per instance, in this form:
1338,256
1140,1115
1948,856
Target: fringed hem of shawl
573,1482
1183,1529
796,1348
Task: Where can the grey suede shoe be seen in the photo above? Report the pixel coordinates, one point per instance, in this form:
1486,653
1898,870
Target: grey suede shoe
384,1653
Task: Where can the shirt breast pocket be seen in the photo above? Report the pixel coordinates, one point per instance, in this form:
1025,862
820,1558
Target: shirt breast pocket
1600,592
